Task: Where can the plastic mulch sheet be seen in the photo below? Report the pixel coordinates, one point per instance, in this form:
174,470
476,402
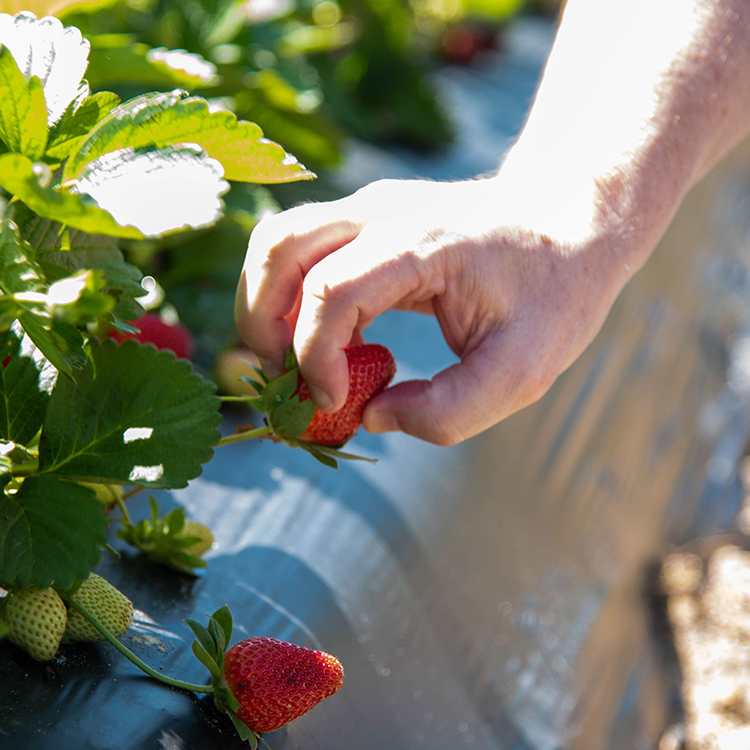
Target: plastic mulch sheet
490,595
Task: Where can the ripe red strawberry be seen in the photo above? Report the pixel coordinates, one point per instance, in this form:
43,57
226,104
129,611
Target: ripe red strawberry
153,330
371,368
276,682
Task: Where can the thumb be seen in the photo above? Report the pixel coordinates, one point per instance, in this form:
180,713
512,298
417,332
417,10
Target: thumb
491,383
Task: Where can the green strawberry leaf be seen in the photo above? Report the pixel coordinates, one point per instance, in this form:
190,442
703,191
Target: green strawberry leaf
184,562
156,189
134,416
244,731
223,617
60,342
24,382
293,417
4,629
46,235
117,58
160,119
254,383
174,521
328,461
203,636
30,184
206,660
218,635
71,130
51,531
19,272
57,55
23,110
290,359
336,453
278,391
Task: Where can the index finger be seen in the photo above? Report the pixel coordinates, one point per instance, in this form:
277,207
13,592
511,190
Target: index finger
281,251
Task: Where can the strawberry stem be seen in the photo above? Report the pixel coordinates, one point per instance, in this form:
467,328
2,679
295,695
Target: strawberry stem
26,469
236,437
128,654
132,492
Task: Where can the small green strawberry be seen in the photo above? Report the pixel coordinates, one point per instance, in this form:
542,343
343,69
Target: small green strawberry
112,608
36,621
171,539
203,535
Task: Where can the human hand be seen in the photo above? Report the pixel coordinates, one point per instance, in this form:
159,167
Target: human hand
516,306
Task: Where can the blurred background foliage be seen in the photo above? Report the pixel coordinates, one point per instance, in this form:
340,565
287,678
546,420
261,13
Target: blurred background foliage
311,73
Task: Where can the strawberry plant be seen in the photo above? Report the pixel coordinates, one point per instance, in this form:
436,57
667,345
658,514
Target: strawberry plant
82,414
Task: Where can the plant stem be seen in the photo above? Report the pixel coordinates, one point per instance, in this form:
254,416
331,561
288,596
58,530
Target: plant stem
246,435
128,654
126,521
26,469
132,492
232,398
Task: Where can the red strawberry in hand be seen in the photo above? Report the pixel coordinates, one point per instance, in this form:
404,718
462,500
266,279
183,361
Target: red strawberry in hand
371,368
153,330
276,682
291,415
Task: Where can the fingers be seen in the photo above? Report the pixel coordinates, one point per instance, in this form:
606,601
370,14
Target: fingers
342,294
492,382
281,251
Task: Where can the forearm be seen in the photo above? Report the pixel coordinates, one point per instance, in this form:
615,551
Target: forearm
638,101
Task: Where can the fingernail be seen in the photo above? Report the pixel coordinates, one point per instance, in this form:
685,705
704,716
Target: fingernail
381,421
322,400
269,368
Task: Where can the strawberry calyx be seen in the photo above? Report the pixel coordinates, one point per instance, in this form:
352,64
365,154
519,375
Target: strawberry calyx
166,539
287,416
209,647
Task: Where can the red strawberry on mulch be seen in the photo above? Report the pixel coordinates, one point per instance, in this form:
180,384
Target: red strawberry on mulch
262,683
153,330
276,682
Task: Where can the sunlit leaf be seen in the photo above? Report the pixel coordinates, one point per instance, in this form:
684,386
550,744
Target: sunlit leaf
53,7
23,112
171,118
59,341
18,176
47,235
134,415
119,58
57,55
75,127
156,190
51,531
19,272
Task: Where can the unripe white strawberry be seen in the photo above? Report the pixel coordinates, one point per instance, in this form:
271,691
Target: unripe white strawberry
231,365
99,597
36,621
202,532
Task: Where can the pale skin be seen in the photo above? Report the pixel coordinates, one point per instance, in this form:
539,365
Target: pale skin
639,99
